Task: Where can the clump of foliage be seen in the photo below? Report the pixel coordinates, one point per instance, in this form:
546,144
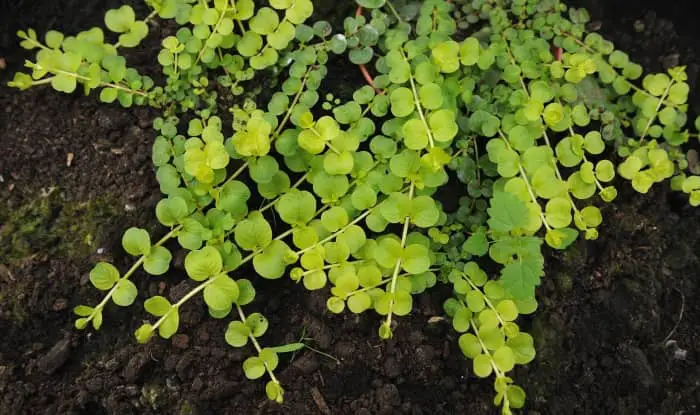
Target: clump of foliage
513,99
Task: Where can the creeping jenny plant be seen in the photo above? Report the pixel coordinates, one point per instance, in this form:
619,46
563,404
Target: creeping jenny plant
513,99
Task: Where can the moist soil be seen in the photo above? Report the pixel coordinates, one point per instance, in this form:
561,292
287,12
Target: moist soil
616,332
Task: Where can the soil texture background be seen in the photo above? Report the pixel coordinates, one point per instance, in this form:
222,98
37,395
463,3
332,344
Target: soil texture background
617,331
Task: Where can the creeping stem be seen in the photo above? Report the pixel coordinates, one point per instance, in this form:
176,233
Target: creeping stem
397,267
131,270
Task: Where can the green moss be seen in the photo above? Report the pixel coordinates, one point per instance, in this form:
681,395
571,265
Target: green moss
50,225
564,282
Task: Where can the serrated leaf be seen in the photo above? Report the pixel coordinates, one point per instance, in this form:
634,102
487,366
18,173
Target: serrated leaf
507,212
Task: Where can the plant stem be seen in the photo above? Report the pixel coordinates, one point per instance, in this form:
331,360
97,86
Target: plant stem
42,81
236,173
496,370
486,299
104,84
335,234
288,114
523,175
275,200
419,107
656,111
214,30
393,11
253,340
397,267
331,266
585,159
633,86
131,270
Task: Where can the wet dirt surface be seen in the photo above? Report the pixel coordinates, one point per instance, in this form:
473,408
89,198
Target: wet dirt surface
617,329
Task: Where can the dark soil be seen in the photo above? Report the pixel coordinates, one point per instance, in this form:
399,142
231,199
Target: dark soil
617,330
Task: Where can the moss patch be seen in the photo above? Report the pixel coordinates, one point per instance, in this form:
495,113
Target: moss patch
50,225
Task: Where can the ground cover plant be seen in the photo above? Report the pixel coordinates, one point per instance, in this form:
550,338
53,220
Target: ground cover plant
513,100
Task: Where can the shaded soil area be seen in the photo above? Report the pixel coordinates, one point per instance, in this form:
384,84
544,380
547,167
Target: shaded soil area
617,330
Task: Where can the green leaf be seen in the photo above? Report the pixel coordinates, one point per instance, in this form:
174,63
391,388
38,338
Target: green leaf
358,303
237,334
443,125
371,4
507,310
414,134
335,305
315,280
561,238
64,83
353,237
221,293
402,103
656,84
338,163
257,323
170,325
253,233
403,303
469,345
469,51
103,276
593,143
272,262
475,301
157,305
363,197
338,44
605,170
558,212
125,293
396,207
254,368
144,333
274,391
334,218
387,252
203,263
522,276
265,21
446,55
263,169
416,259
482,365
296,207
630,167
120,20
462,320
108,95
490,334
249,44
157,261
523,348
504,359
507,212
281,4
83,310
477,244
233,198
171,211
299,11
361,56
